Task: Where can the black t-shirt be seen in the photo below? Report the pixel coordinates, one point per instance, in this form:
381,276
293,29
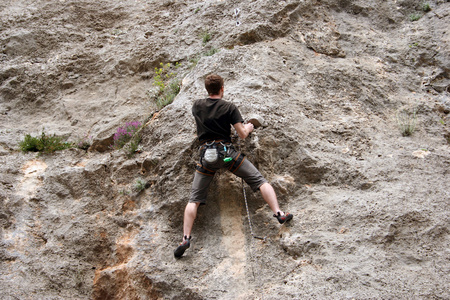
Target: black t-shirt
214,117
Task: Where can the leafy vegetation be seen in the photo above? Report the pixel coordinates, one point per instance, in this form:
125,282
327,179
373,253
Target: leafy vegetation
194,60
211,52
168,85
426,7
139,185
170,92
163,74
133,145
414,17
206,37
128,138
124,134
44,143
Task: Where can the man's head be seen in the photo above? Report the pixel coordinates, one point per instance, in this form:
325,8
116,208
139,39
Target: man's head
214,84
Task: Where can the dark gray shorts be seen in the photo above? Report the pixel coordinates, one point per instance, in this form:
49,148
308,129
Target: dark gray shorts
239,166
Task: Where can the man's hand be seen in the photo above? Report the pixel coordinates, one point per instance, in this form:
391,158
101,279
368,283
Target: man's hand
243,130
249,127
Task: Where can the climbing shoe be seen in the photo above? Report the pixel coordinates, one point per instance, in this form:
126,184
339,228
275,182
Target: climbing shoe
283,218
182,247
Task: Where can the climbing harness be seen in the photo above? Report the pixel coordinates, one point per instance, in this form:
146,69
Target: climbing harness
236,15
227,157
212,152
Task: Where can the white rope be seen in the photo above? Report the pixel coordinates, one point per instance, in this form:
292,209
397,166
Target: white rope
252,243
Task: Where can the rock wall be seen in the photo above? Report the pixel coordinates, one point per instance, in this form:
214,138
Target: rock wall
330,78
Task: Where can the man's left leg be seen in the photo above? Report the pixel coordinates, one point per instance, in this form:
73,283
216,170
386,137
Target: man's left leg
268,194
190,213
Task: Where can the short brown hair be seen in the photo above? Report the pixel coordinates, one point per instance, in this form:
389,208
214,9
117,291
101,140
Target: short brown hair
213,84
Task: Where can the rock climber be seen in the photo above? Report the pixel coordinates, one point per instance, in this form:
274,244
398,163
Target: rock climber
214,117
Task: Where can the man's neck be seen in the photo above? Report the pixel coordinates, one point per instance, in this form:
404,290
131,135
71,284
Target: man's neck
215,97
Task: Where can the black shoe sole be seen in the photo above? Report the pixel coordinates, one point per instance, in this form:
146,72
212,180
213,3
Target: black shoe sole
287,219
180,249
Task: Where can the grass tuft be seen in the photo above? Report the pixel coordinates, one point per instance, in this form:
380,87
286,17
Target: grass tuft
43,143
407,121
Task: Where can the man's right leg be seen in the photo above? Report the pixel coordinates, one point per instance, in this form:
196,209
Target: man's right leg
189,217
200,185
256,181
268,194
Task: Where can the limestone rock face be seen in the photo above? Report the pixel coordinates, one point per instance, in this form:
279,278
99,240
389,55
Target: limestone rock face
335,82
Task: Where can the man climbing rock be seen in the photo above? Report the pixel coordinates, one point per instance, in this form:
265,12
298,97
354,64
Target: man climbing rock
214,117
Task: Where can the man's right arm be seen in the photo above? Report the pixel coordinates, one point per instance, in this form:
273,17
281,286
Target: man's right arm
243,130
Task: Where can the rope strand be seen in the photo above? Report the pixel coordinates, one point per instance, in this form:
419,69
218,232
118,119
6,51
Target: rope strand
251,231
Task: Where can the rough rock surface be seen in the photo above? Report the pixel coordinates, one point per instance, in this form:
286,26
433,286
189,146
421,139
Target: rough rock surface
329,77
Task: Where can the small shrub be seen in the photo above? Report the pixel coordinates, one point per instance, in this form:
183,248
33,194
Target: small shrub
139,185
206,37
169,94
414,17
45,143
30,144
124,134
124,192
426,7
211,52
407,120
133,145
163,73
169,87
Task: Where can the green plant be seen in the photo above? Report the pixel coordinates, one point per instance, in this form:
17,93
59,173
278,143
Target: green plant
407,120
44,143
414,17
206,37
211,52
124,192
168,85
125,134
133,145
194,60
196,10
162,74
168,94
139,185
426,7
